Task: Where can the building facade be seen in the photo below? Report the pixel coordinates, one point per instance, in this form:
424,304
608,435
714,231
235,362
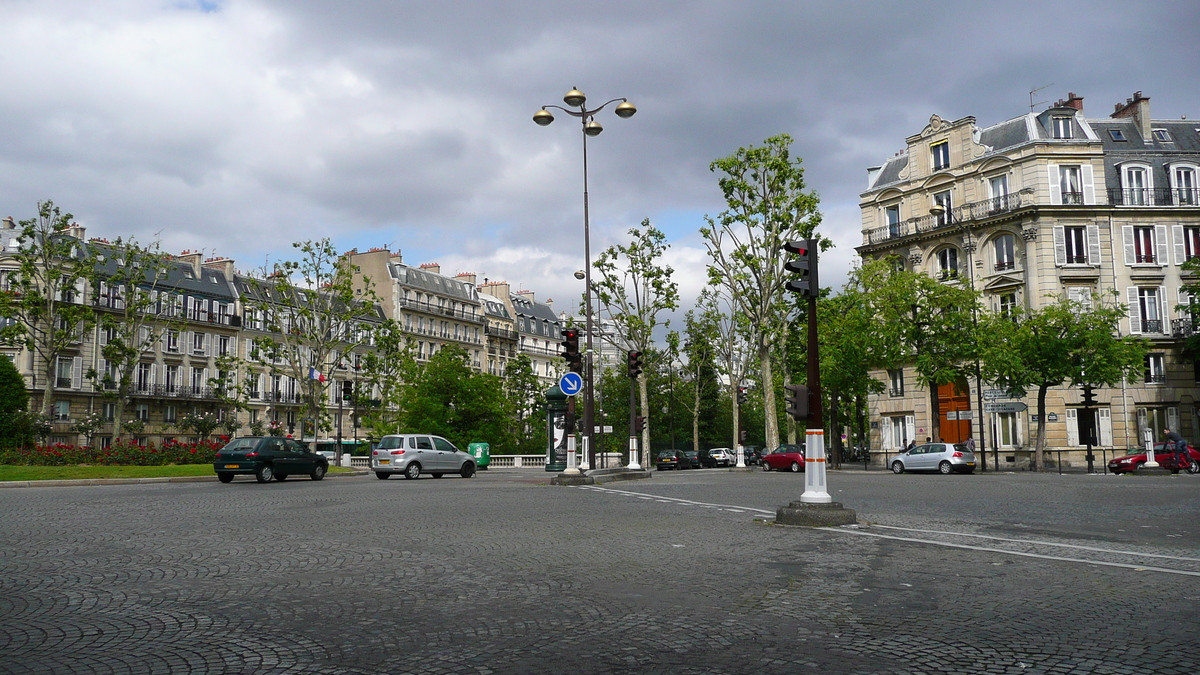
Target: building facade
1042,205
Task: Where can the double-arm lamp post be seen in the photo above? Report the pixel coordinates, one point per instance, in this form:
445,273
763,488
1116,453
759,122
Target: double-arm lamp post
576,101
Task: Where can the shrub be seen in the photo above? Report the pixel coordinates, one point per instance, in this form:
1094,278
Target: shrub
123,453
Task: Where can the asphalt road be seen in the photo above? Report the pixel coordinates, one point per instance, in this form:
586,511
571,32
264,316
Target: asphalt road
683,573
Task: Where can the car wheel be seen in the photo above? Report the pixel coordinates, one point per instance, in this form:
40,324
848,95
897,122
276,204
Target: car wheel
897,467
281,477
1138,466
795,467
264,473
766,467
436,475
1193,467
382,475
225,477
945,467
412,471
319,472
468,470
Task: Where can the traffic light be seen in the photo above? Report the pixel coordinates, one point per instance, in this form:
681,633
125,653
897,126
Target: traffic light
1089,396
639,423
741,396
634,360
797,401
570,344
805,267
742,435
347,390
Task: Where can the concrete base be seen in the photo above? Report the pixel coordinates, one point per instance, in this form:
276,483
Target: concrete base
600,477
815,515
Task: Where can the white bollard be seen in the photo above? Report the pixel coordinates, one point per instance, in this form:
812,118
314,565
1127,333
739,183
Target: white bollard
571,470
741,455
815,490
633,454
584,465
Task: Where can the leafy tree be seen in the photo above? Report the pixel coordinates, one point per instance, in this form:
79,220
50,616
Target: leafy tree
634,288
14,406
1066,341
846,324
697,358
201,423
389,368
313,317
524,391
133,317
767,206
45,294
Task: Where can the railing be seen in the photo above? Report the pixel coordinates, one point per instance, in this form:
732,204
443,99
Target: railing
961,214
430,308
500,332
1155,378
1154,196
1006,265
1152,325
1185,327
896,391
62,382
177,391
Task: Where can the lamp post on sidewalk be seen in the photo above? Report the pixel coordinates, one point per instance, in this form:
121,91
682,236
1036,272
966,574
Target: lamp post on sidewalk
576,101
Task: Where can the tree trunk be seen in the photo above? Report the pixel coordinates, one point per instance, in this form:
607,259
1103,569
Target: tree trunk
737,418
696,415
935,415
834,436
768,388
1040,448
644,405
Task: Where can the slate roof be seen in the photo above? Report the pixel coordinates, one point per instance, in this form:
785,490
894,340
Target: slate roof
1005,134
1183,146
434,283
535,318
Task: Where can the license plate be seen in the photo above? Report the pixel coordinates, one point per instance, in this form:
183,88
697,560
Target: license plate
384,461
232,466
970,463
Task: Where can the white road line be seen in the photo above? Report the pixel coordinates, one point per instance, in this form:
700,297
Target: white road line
660,498
1140,568
1040,543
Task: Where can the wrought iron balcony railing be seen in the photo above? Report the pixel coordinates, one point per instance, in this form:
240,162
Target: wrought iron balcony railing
1154,196
1152,325
954,217
1185,327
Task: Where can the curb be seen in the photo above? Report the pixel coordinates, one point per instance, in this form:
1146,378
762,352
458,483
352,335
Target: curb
77,482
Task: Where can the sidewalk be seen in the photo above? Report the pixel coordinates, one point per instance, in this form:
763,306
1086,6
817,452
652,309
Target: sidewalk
129,481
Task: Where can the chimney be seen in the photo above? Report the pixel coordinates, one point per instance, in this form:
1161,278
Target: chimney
194,259
223,265
528,295
9,223
496,289
1071,101
550,303
432,267
467,277
76,230
1138,109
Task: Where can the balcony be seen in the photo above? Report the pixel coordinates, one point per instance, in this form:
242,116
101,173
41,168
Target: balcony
1154,196
1152,326
896,391
1006,265
954,217
180,391
442,310
1186,327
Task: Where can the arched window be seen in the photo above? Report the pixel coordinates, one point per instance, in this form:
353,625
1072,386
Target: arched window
1004,252
947,262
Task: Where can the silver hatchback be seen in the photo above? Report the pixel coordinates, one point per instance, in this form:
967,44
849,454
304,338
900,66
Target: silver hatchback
414,454
942,457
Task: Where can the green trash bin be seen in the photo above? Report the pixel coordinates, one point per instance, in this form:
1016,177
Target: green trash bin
482,452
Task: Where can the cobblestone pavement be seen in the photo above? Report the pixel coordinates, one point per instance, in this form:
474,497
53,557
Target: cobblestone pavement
684,573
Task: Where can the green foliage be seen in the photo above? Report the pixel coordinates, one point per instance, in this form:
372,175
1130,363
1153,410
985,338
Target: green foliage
89,424
123,454
201,424
528,401
15,429
388,368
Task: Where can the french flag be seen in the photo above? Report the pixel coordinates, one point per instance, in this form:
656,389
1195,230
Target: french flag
314,374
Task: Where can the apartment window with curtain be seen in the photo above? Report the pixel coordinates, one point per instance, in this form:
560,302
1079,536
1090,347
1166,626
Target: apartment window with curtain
1143,245
896,379
946,200
1062,127
1070,184
1155,369
1076,241
1186,192
1004,250
892,213
1149,309
1136,183
998,189
1008,304
1191,242
948,262
941,155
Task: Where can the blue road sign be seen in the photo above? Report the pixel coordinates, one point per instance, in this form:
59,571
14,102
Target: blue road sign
571,383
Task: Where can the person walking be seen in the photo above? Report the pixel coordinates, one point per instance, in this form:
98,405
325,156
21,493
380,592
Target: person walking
971,444
1177,445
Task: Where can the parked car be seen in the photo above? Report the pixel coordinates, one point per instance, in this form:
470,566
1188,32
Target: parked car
414,454
943,457
667,459
693,459
787,456
268,458
714,457
752,453
1167,460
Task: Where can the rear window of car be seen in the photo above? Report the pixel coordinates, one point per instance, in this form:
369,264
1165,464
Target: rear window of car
666,455
391,442
242,444
961,447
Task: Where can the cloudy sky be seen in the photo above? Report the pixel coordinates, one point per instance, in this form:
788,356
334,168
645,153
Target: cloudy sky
238,126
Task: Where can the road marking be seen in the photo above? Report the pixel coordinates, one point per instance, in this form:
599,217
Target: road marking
641,495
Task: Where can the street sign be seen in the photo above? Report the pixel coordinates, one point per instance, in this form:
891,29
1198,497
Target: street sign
603,429
1051,417
1004,407
952,415
993,394
571,383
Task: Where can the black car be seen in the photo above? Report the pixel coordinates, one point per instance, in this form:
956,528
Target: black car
752,454
267,458
668,459
693,459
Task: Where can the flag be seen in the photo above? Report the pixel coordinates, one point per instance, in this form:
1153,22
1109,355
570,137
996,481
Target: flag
313,374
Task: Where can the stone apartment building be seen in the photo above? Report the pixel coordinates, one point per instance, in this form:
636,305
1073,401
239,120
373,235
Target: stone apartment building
1047,203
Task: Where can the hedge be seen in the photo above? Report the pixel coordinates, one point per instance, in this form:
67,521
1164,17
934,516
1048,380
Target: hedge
123,454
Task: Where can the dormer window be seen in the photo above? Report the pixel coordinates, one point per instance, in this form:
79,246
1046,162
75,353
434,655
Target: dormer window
1117,135
941,155
1062,127
1185,185
1162,135
1136,183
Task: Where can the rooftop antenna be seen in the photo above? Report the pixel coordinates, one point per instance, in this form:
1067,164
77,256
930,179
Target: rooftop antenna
1033,105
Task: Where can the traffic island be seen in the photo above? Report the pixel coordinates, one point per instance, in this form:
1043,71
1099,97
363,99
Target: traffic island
807,514
600,476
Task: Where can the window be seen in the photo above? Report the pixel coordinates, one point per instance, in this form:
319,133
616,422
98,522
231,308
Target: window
198,343
1191,242
1136,185
1062,127
171,338
1006,430
109,412
143,378
1143,244
1186,192
1008,304
998,188
198,380
62,410
1148,310
897,380
1076,241
1117,135
223,345
948,263
946,201
172,377
898,430
1004,249
63,373
941,155
1081,295
1154,369
142,412
1162,135
1070,185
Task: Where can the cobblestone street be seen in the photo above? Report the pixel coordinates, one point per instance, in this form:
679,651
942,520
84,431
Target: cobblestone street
683,573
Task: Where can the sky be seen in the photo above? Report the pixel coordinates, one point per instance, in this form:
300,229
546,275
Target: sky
236,127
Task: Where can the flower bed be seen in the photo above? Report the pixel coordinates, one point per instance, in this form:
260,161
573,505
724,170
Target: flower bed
123,454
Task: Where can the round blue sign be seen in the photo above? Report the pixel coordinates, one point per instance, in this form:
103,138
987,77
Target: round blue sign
571,383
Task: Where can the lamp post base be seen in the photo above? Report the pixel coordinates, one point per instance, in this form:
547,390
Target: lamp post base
808,514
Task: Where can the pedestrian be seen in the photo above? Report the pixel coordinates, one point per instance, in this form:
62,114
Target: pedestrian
1177,445
971,444
912,443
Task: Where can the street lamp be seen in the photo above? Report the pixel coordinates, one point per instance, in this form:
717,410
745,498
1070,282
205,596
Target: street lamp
576,101
937,210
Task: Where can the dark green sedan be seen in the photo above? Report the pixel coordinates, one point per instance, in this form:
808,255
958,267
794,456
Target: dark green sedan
268,458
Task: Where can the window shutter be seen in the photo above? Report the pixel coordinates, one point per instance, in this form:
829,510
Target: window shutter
77,373
885,433
207,344
1093,244
1177,239
1163,312
1089,184
1105,417
1160,244
1185,301
120,299
233,345
1135,316
144,339
1127,237
1055,188
153,374
99,385
910,423
1060,246
103,336
104,291
1173,419
187,306
204,378
1072,426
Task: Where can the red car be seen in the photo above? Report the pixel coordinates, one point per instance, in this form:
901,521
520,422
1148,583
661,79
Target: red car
1167,460
786,457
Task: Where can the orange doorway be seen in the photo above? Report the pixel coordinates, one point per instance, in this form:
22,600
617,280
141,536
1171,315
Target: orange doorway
954,398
